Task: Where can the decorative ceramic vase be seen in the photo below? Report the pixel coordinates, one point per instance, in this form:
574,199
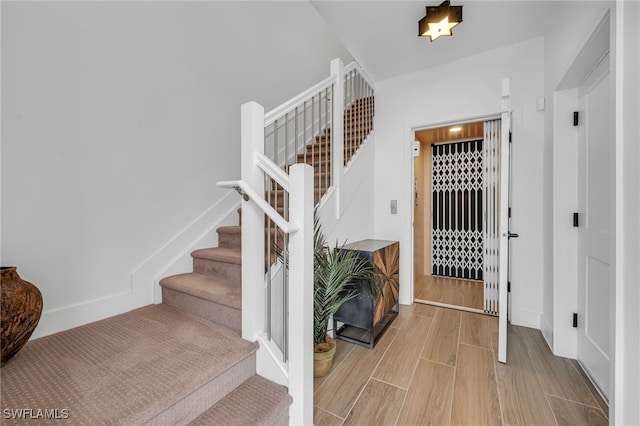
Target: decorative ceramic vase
21,310
322,362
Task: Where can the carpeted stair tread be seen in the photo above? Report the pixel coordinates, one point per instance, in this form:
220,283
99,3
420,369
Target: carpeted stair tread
151,364
220,254
256,402
214,289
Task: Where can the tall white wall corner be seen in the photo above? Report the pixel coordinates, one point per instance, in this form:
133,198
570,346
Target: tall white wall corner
301,296
337,136
252,140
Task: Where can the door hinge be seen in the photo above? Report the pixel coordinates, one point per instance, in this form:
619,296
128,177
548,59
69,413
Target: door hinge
509,212
575,320
510,137
576,220
508,286
576,118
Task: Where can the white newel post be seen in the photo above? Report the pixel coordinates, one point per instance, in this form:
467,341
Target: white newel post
337,134
253,297
301,295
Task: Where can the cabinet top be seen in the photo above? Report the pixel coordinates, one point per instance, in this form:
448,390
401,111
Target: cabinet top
369,245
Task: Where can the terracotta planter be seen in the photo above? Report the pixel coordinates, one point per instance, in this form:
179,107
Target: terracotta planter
21,310
322,361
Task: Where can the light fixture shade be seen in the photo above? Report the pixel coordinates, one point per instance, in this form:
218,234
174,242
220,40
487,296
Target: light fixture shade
439,20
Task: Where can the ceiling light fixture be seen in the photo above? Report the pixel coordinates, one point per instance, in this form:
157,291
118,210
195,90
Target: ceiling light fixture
439,20
455,129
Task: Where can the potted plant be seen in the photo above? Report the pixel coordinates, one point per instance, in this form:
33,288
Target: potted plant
337,276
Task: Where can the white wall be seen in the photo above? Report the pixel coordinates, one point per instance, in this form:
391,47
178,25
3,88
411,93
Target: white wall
117,120
356,222
459,90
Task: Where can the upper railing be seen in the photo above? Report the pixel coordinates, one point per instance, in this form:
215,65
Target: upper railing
359,109
293,158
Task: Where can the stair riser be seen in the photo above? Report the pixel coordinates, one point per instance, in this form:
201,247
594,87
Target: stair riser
364,110
204,310
348,146
228,240
216,268
318,166
358,119
277,200
319,180
349,135
321,156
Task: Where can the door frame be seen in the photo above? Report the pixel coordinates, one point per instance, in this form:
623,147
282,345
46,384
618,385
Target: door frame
410,139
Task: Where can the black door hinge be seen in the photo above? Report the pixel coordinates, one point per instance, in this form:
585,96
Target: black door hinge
576,220
509,211
508,286
575,320
510,137
576,118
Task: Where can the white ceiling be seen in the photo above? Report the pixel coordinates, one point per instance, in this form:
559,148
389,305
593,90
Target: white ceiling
382,35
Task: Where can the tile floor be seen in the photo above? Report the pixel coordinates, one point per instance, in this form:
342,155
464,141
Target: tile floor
438,366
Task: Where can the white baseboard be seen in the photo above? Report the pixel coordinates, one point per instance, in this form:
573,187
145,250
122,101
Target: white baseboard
83,313
525,318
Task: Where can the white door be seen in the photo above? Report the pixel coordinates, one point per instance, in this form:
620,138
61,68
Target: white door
496,218
503,226
595,207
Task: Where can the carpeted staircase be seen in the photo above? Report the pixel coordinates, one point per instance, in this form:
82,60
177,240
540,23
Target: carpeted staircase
181,362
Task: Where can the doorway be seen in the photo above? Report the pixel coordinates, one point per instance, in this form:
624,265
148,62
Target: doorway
448,214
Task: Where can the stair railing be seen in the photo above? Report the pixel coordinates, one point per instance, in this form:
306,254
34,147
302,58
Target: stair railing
359,109
256,300
277,186
292,128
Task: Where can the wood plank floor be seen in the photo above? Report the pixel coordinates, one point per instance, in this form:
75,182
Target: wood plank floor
449,291
437,366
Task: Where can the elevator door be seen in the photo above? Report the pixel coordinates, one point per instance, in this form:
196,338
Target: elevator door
457,230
